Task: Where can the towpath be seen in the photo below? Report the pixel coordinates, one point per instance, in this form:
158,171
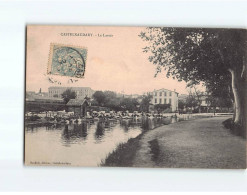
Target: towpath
200,143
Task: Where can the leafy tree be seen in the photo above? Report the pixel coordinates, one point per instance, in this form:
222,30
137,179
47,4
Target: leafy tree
111,100
181,104
216,57
110,95
161,107
191,101
145,102
99,97
68,94
129,104
219,102
198,96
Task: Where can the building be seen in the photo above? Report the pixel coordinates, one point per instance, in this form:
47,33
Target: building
165,96
30,94
78,106
204,101
33,94
37,103
81,92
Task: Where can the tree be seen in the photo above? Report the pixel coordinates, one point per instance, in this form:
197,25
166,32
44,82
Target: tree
99,97
181,104
216,57
191,101
161,107
68,94
145,102
129,104
112,101
218,102
198,98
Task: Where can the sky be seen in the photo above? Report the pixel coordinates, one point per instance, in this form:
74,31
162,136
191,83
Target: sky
114,63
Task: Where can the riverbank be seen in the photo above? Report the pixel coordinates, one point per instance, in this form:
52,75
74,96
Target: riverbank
200,143
124,154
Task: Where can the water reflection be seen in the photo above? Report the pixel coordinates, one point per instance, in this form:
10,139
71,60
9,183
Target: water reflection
100,130
88,143
125,124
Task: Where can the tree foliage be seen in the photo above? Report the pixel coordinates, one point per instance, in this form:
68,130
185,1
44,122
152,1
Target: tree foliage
145,102
181,104
198,55
215,57
129,104
99,97
110,100
161,107
68,94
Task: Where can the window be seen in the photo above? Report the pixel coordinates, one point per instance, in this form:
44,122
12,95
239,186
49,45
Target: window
160,101
165,93
170,93
164,101
160,93
155,100
155,94
170,101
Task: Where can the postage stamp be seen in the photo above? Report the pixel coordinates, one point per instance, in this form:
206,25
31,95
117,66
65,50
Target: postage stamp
67,60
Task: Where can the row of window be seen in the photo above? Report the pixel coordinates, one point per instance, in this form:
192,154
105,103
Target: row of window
160,93
165,101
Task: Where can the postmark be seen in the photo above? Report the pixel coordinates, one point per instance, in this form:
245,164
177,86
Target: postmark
67,60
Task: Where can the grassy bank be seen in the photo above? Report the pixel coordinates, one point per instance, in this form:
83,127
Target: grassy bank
124,154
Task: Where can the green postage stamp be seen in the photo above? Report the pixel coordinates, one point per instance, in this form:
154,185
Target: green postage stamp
67,60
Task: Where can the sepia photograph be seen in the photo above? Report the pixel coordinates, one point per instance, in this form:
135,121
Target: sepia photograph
153,97
123,96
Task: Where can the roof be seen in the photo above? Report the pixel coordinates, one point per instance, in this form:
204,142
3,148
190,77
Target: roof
77,102
163,89
73,88
38,97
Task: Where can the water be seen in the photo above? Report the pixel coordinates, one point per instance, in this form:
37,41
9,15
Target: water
87,144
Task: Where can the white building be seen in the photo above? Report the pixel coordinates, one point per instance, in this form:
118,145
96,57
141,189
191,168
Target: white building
81,92
165,96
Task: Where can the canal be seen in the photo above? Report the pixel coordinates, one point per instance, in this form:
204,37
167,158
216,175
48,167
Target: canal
86,144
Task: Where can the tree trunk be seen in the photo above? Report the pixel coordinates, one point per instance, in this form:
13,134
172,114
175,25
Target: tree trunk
237,100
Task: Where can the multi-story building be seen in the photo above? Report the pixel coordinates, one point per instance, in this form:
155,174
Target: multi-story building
165,96
81,92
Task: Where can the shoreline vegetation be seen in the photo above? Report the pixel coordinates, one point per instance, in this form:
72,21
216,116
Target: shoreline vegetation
125,153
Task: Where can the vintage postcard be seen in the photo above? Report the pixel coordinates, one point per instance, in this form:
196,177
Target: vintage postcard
135,97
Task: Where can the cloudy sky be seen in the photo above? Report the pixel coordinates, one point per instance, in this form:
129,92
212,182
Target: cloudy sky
113,63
